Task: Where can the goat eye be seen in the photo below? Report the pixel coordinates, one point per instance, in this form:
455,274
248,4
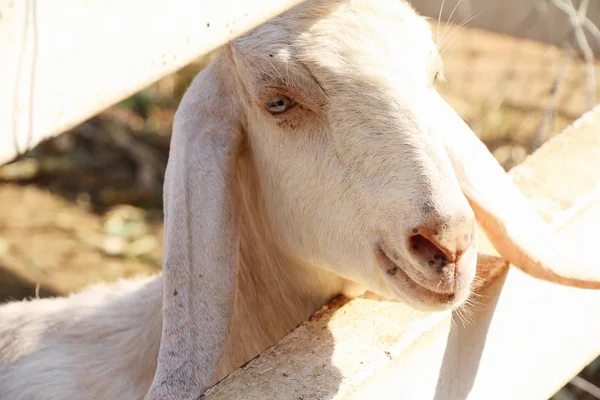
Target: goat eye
279,105
435,79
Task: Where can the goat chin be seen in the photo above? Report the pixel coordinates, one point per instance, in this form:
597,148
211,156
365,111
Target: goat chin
312,157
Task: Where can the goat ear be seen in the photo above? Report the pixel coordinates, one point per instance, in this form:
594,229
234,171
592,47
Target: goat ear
514,228
200,242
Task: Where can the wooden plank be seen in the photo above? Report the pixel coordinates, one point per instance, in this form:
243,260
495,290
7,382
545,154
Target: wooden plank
64,61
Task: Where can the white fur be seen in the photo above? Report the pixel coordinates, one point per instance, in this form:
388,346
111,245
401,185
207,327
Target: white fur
267,217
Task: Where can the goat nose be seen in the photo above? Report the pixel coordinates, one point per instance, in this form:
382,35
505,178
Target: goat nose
440,244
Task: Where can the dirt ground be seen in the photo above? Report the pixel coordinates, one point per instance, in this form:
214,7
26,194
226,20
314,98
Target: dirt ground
86,206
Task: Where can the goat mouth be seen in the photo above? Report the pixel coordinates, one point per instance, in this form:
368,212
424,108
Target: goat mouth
395,271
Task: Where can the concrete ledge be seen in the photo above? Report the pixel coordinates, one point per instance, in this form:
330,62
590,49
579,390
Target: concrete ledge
523,340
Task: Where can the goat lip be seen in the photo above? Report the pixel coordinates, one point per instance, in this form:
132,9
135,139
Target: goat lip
392,269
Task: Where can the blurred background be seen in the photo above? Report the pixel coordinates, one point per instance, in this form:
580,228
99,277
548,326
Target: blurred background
86,205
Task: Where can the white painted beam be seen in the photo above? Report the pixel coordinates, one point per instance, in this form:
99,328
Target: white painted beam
62,61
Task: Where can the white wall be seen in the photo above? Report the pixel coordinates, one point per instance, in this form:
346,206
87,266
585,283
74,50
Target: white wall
532,19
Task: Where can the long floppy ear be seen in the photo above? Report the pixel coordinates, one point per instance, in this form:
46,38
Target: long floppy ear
200,249
515,229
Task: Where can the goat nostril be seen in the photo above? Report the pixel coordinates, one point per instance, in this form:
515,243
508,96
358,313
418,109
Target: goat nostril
431,254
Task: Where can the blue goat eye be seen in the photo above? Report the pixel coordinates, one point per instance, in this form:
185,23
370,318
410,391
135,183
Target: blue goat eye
279,105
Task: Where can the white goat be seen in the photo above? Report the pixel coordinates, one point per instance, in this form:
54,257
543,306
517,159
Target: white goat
311,158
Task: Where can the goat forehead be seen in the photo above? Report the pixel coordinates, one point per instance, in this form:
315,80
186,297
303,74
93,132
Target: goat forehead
355,39
346,37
